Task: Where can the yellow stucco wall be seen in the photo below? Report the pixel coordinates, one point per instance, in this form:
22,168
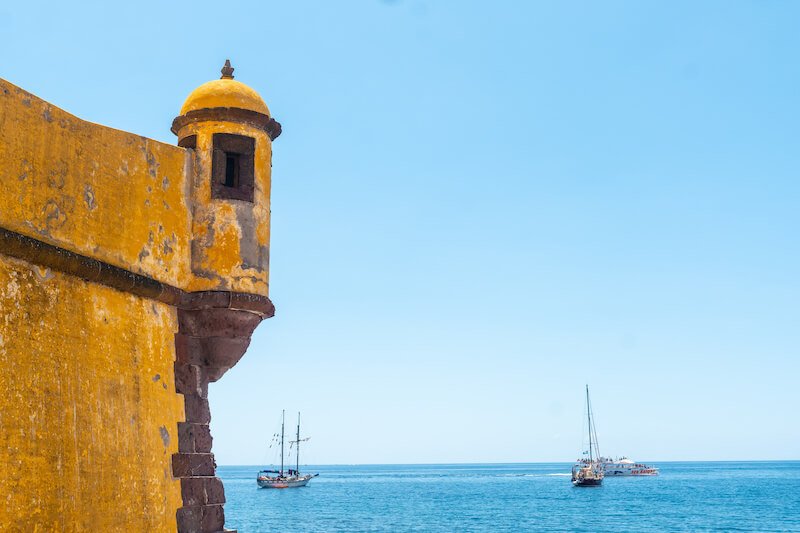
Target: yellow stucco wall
88,406
88,410
130,201
97,191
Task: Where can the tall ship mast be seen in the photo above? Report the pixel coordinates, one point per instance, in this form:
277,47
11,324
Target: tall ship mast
297,451
592,430
589,472
292,478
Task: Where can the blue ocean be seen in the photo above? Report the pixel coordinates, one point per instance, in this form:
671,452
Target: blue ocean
692,496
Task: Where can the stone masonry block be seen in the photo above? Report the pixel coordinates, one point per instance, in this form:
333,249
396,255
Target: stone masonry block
193,491
187,379
186,437
188,349
213,519
202,438
190,519
194,438
215,492
197,410
193,464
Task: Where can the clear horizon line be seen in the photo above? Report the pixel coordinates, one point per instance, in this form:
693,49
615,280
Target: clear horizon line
537,462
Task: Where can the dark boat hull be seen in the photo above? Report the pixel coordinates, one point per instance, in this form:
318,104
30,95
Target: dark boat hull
587,482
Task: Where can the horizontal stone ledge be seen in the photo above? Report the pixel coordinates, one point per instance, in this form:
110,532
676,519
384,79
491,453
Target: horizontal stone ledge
228,300
47,255
244,116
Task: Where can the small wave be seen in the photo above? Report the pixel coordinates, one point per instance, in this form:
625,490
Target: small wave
560,475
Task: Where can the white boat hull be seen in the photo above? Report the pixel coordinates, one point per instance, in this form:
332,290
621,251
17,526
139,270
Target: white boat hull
628,469
619,472
282,482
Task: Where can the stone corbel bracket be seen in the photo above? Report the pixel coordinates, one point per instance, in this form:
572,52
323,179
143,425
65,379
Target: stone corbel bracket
214,330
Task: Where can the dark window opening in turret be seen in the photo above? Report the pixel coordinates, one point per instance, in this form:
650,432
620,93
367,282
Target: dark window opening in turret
233,167
231,170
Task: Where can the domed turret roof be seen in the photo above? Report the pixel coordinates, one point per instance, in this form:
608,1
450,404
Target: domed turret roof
225,92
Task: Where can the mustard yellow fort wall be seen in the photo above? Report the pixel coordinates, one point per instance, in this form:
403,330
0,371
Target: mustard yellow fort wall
130,201
94,190
125,289
88,410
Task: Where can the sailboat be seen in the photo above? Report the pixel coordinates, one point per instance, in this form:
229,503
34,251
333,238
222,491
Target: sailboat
589,472
292,477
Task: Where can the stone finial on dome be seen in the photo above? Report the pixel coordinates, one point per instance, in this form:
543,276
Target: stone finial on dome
227,71
226,99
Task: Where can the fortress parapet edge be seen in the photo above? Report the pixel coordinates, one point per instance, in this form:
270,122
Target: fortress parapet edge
132,274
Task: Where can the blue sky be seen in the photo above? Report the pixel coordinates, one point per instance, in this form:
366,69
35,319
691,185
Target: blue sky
480,207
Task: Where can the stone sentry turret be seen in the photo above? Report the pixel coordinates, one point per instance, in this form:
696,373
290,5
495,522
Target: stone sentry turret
132,274
228,127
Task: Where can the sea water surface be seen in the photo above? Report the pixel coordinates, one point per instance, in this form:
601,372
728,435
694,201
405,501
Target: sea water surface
694,496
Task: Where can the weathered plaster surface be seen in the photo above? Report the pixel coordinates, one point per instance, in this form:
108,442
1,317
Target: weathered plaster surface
88,413
101,192
91,408
131,201
230,250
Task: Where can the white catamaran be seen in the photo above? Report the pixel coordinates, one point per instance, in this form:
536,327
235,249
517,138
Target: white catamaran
589,472
625,467
292,477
